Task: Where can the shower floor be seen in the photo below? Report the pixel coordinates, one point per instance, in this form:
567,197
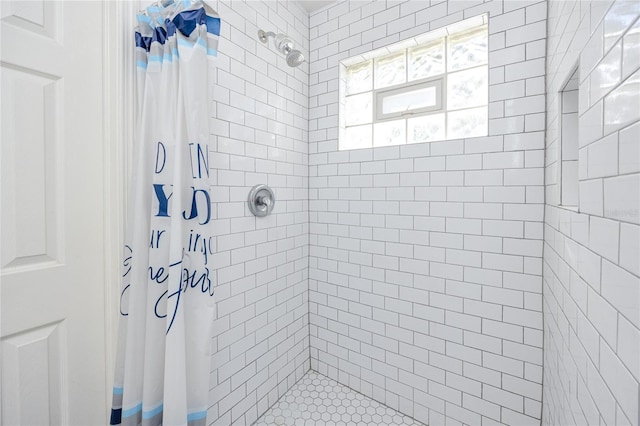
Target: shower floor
317,400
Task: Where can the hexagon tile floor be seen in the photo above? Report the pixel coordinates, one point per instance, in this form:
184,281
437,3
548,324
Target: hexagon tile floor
316,400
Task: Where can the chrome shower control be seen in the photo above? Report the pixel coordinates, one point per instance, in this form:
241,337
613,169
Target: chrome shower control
261,200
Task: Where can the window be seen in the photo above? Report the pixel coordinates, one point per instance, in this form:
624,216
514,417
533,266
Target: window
428,88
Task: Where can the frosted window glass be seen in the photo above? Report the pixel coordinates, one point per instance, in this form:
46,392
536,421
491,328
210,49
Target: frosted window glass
467,49
467,88
390,70
390,133
467,123
359,109
356,137
431,87
359,78
426,129
426,60
407,101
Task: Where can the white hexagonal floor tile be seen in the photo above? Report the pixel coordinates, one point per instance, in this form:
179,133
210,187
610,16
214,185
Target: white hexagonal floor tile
340,404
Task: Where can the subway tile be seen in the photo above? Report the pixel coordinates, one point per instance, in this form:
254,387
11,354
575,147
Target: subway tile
501,228
607,73
629,149
622,384
503,262
631,42
622,290
503,398
630,248
483,178
617,19
503,160
603,157
620,195
619,104
628,346
591,196
603,317
525,69
591,124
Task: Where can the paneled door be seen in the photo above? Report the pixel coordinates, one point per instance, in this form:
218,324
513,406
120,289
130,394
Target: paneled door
52,285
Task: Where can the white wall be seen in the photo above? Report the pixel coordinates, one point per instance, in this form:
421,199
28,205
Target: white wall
260,135
592,257
426,260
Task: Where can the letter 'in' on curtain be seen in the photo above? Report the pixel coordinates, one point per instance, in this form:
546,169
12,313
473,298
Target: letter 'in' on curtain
167,305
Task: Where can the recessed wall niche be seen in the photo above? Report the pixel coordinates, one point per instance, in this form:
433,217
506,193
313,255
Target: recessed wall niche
569,141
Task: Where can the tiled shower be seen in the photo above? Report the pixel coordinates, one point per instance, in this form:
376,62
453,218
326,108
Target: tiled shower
444,281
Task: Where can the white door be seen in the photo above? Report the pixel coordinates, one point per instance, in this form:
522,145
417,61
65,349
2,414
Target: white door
52,213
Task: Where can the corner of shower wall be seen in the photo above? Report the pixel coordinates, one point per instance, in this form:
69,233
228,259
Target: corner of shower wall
446,326
259,131
591,267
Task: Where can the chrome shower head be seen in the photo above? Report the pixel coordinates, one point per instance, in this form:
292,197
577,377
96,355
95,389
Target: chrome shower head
284,45
295,58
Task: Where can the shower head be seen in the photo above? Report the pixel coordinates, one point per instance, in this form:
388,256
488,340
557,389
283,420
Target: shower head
295,58
284,45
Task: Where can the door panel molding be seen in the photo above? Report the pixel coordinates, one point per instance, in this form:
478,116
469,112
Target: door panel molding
34,359
32,141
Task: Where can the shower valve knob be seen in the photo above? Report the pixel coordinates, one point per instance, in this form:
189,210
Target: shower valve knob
261,200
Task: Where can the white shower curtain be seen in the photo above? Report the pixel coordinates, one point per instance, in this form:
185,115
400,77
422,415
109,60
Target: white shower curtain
167,305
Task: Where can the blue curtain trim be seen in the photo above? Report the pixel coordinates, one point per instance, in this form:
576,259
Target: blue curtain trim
171,27
185,22
152,413
213,25
132,411
197,416
159,35
116,416
144,42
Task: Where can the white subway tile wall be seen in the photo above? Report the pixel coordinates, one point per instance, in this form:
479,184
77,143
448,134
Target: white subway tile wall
413,274
425,260
591,257
259,127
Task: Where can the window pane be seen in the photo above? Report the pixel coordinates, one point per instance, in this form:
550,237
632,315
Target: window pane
427,128
426,60
410,100
467,88
359,109
359,78
467,123
390,133
356,137
468,49
390,70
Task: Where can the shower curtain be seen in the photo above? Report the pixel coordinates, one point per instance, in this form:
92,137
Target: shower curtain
167,305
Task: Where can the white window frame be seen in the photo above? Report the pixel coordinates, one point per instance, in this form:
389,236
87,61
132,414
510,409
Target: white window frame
439,81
